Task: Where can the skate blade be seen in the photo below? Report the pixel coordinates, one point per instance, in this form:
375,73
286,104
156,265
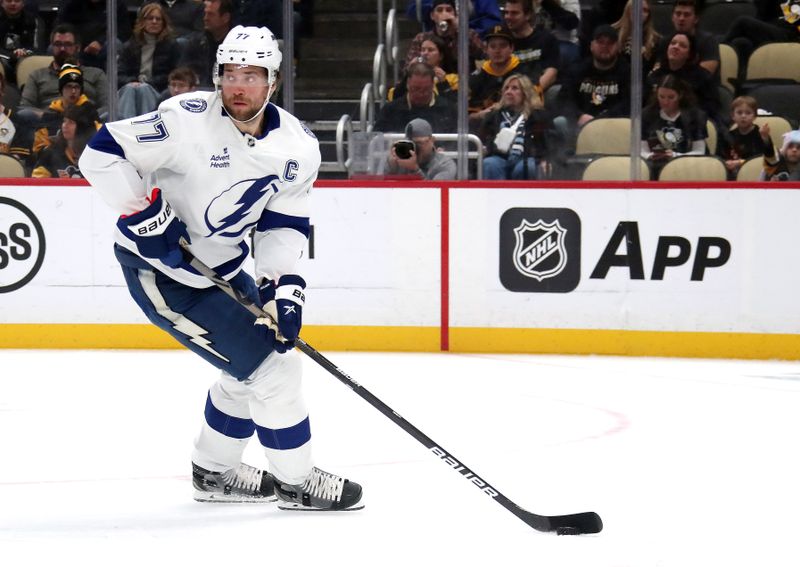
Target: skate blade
216,498
293,507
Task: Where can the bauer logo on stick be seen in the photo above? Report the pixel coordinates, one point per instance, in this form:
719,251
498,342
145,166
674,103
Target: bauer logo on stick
22,245
540,250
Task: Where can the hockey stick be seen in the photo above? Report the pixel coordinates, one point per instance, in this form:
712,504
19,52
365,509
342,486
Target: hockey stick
572,524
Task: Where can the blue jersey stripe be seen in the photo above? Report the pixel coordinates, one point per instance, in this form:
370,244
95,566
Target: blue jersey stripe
286,438
235,427
231,265
271,219
103,141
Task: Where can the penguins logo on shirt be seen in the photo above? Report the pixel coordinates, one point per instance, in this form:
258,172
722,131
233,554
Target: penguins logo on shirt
229,213
670,137
194,104
70,172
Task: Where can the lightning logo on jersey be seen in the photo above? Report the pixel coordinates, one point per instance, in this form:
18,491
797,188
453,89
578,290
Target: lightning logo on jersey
241,199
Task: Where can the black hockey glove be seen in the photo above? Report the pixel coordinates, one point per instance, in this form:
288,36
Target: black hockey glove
284,303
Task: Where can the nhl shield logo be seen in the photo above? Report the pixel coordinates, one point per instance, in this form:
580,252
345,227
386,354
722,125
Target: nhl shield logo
542,256
539,252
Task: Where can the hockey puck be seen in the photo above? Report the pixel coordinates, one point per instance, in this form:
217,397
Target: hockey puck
567,530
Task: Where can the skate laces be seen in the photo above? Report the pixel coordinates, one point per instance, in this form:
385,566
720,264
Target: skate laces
244,477
324,485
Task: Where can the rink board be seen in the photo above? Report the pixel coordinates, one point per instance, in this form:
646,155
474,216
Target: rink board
616,268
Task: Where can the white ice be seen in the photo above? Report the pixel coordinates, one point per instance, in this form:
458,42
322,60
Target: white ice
689,462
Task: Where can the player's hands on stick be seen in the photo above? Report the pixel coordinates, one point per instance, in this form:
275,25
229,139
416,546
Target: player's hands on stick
156,231
284,304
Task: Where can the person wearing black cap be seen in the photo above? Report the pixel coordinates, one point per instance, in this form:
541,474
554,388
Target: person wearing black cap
70,85
533,44
597,86
485,85
60,158
423,160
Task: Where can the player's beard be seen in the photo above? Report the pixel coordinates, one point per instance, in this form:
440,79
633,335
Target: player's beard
242,112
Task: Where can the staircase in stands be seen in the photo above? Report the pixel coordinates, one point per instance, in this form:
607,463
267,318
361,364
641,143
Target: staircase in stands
335,63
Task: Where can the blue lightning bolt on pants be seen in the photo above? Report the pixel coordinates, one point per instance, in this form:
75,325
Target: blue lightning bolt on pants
259,392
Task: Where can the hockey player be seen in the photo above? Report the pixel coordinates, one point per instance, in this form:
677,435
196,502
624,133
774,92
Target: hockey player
208,168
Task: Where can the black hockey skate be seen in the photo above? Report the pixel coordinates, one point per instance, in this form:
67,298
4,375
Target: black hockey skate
321,492
242,484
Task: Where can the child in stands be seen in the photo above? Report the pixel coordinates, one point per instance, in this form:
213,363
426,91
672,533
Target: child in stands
746,139
783,165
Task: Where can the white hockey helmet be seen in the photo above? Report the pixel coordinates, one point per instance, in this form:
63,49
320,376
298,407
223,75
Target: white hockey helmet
250,45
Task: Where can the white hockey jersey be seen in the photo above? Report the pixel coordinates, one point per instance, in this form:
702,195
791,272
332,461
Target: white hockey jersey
219,181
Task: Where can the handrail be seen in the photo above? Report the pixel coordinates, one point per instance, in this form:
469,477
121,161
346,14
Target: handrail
379,74
392,41
476,154
391,37
345,125
366,111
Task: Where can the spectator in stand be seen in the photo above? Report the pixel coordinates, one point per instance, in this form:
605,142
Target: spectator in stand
514,133
685,18
21,34
60,157
9,137
680,60
562,18
650,37
746,139
672,125
146,61
746,33
42,86
445,20
783,165
90,20
420,102
483,14
597,87
433,52
181,80
536,47
486,84
201,51
185,16
70,84
424,160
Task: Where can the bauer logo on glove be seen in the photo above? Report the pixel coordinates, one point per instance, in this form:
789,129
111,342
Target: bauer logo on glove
156,231
157,225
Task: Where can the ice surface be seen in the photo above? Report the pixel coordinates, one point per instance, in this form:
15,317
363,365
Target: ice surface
689,462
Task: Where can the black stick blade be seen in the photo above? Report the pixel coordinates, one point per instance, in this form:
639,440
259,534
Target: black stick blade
575,524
